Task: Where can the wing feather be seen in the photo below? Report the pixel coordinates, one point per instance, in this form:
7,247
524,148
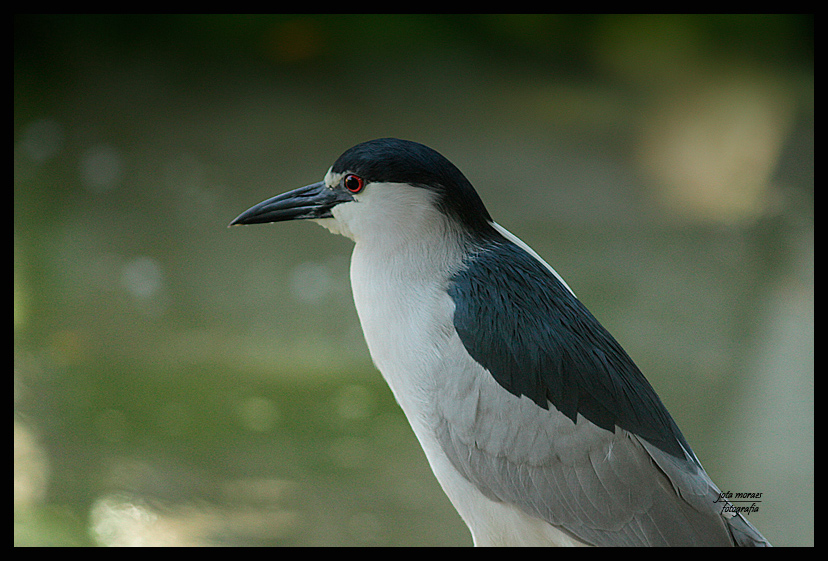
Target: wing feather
551,414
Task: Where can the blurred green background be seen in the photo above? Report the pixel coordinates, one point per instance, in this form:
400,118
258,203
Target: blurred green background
179,383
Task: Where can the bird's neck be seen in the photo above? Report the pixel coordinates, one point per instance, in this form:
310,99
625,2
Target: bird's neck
400,296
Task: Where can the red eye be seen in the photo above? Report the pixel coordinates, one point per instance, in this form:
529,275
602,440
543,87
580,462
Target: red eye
354,183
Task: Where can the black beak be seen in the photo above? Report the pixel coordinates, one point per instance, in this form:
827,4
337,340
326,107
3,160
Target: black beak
313,201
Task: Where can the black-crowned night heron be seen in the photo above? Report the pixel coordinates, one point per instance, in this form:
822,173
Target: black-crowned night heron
537,424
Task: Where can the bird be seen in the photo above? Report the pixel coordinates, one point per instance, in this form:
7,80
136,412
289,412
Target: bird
539,427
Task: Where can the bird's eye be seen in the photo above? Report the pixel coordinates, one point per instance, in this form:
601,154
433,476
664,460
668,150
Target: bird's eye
354,183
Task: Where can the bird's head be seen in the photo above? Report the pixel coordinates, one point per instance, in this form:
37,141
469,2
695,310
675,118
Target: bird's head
380,189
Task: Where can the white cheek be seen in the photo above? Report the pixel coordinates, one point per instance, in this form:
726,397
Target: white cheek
339,223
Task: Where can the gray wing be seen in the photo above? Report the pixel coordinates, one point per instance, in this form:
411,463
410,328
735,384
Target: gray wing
546,411
604,488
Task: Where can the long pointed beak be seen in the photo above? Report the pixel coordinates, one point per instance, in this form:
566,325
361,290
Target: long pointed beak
313,201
